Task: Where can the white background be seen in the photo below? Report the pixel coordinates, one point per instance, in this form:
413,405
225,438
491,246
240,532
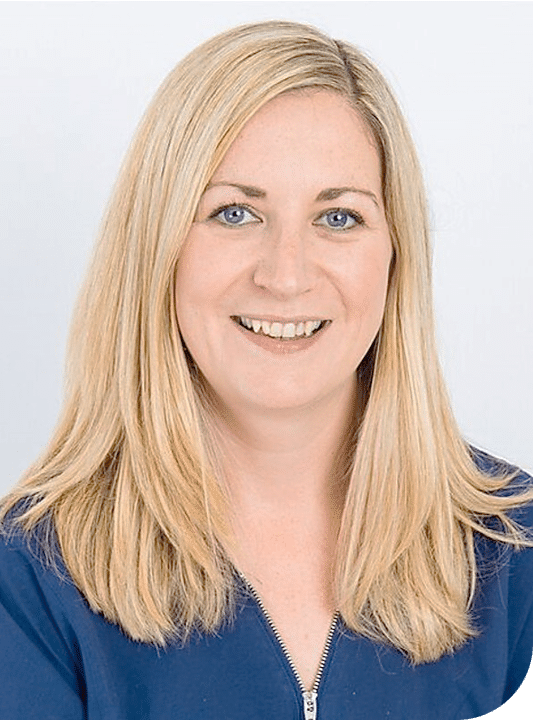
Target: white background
75,78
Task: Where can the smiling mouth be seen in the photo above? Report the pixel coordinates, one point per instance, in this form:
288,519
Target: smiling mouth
281,331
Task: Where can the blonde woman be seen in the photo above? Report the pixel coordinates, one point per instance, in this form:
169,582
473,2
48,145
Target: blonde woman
256,503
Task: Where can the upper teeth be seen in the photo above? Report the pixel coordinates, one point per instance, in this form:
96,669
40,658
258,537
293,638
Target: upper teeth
281,330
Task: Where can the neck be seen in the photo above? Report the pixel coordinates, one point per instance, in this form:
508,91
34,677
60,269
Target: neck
289,460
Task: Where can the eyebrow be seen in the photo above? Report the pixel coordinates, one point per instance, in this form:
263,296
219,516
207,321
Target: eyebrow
334,193
323,195
248,190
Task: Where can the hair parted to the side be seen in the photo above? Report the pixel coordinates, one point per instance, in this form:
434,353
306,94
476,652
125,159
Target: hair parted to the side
129,479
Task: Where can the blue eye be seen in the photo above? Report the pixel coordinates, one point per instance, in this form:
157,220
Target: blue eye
234,215
340,219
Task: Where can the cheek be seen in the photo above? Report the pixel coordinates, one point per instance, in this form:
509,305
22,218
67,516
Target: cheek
185,293
207,266
368,282
196,274
204,273
189,293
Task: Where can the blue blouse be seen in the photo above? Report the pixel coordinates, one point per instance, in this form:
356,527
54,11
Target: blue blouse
60,660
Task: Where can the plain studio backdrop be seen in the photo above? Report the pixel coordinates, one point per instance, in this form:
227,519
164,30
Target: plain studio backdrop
75,78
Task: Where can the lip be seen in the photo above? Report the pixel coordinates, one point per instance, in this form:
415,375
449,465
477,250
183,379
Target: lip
280,347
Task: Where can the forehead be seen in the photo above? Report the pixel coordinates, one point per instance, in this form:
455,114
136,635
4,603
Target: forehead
307,135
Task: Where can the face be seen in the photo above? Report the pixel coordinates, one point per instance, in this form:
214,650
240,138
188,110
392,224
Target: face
281,284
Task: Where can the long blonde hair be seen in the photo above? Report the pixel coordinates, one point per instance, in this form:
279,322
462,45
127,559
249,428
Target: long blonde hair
129,480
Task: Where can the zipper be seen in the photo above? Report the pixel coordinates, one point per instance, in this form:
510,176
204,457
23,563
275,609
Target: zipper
310,703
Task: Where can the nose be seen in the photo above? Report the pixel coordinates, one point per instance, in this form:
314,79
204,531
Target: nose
284,267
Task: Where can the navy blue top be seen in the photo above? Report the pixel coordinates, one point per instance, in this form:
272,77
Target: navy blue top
58,659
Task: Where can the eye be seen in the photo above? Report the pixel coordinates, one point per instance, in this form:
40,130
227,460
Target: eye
234,215
340,219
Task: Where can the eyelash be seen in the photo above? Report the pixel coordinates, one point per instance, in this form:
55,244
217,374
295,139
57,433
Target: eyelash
356,217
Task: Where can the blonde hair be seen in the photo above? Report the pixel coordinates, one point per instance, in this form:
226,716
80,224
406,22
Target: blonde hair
129,480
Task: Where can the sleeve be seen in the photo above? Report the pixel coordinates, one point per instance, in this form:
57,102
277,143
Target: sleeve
40,675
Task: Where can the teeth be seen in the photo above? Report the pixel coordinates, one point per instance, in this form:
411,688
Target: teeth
310,326
287,331
275,329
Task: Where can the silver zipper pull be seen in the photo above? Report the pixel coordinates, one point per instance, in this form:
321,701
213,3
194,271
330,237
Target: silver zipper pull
310,705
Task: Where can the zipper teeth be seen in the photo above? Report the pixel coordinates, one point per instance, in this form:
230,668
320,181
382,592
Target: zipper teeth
278,637
325,652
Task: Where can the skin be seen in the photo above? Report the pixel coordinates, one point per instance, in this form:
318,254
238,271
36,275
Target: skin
282,416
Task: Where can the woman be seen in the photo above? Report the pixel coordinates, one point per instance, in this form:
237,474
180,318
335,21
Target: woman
257,503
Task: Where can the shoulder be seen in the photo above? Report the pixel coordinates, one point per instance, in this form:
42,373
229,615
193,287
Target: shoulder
23,557
505,590
519,482
38,547
492,465
33,579
508,563
40,669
